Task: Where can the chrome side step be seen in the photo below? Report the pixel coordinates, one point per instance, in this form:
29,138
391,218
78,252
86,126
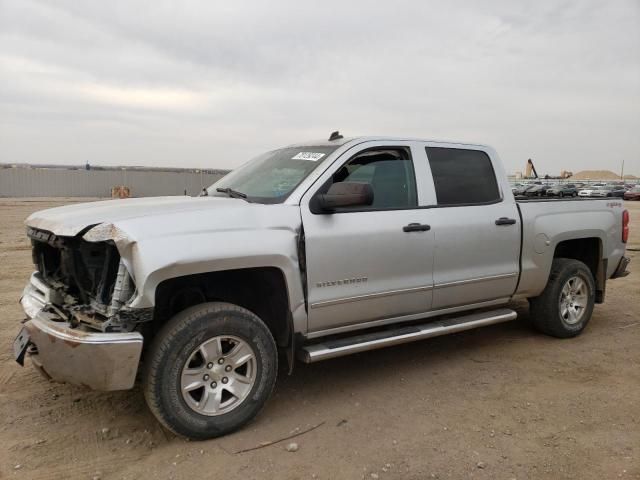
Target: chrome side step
386,338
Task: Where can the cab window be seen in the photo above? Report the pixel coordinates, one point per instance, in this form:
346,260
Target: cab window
390,173
462,177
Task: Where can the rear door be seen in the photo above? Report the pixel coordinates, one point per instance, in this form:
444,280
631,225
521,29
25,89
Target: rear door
476,229
364,265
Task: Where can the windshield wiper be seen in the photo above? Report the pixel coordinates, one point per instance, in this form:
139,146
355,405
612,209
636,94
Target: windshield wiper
231,192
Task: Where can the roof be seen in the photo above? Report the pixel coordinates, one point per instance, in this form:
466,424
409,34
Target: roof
360,139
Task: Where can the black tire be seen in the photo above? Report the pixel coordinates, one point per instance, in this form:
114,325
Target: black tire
175,344
560,194
545,309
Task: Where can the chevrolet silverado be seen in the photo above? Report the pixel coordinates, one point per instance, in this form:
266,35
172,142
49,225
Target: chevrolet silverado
311,251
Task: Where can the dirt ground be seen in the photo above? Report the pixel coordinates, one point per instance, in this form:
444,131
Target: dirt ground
496,403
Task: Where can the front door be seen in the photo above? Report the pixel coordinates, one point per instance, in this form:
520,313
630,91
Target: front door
366,265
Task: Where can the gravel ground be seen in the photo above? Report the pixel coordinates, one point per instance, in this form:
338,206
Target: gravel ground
501,402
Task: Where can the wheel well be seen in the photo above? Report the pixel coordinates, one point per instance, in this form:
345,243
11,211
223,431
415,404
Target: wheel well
263,291
589,252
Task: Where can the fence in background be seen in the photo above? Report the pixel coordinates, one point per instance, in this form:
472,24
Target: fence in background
57,182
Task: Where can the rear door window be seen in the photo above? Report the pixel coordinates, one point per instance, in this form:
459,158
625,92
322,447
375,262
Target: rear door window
462,177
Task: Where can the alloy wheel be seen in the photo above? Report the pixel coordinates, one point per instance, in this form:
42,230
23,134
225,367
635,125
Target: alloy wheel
573,300
219,375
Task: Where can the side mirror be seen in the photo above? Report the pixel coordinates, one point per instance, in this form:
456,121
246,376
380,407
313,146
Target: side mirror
344,194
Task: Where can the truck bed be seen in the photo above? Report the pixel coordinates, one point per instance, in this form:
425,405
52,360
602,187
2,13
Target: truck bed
545,226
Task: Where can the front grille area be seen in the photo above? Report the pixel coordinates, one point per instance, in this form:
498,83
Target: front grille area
84,270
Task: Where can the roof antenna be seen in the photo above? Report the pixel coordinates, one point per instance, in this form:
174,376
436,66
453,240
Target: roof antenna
335,136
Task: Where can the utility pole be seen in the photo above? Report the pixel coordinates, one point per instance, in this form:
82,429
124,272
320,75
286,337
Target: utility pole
622,171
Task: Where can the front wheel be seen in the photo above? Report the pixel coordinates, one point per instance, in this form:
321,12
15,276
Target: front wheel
565,306
210,370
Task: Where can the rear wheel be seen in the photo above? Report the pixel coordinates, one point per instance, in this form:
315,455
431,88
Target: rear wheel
210,370
565,306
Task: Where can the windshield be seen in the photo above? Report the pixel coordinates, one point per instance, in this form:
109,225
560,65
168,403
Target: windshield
271,177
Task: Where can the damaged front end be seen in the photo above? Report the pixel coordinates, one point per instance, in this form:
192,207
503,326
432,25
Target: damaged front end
80,327
88,282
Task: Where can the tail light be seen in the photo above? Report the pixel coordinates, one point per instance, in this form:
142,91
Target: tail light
625,226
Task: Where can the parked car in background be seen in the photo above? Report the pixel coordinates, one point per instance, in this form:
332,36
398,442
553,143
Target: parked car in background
586,192
609,191
567,190
538,190
521,190
633,193
619,191
517,186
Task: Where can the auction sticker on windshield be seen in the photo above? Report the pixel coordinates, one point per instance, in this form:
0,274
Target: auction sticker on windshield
312,156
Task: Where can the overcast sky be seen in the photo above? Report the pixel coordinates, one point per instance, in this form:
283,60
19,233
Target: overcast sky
211,84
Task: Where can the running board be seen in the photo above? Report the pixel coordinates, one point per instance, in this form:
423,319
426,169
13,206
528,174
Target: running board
386,338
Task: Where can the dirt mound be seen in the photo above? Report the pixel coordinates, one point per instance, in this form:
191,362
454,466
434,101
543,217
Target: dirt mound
596,175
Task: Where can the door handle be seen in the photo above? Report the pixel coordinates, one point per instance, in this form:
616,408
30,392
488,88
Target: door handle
416,227
505,221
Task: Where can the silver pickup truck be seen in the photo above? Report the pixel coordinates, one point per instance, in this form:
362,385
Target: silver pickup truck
311,251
